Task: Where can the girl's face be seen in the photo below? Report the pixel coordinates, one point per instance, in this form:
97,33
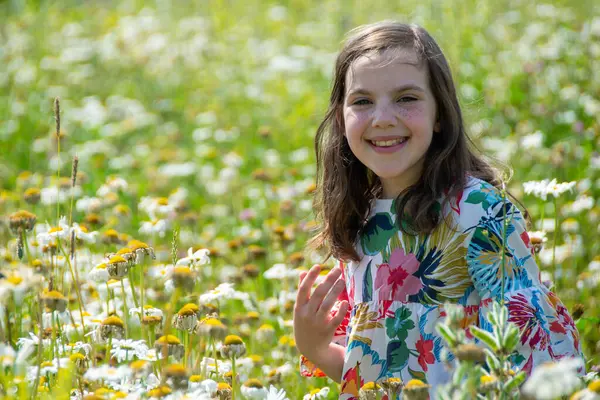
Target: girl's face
390,116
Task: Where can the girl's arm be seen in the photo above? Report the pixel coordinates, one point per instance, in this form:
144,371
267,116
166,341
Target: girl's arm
320,322
329,360
548,332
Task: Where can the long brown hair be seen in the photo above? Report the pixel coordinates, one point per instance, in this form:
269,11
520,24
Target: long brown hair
346,187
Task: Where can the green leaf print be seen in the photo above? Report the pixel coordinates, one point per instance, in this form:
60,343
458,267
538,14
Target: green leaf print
400,324
397,355
420,375
477,197
377,233
368,284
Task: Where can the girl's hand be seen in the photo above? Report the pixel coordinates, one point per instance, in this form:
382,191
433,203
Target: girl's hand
314,323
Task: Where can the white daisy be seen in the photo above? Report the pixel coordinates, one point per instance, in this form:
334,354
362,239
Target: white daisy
554,380
199,257
125,350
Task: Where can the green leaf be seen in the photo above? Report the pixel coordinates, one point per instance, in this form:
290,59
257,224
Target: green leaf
377,233
492,361
476,197
397,355
511,338
447,334
420,375
582,323
515,381
368,284
399,325
485,337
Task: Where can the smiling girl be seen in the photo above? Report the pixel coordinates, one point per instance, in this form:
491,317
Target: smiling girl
416,219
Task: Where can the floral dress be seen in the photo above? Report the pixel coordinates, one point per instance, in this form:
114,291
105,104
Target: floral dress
397,291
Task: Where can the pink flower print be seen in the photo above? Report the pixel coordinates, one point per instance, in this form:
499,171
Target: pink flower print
395,280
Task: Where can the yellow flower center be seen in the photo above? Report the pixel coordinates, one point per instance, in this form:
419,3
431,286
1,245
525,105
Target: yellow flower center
53,294
594,386
233,339
211,322
111,233
136,244
182,271
76,357
114,321
370,386
15,280
253,383
169,339
175,370
415,383
138,364
485,379
189,309
116,259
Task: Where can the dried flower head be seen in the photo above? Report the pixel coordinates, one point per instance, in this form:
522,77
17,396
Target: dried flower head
265,333
159,392
224,391
186,317
253,389
233,347
470,352
21,221
141,248
112,326
393,385
415,389
32,196
370,391
54,300
184,277
177,375
211,327
169,345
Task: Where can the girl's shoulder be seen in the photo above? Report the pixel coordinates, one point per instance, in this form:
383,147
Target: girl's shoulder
478,199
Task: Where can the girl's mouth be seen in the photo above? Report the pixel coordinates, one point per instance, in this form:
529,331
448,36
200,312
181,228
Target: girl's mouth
388,146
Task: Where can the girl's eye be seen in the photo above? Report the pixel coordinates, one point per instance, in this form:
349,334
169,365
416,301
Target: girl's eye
406,99
361,102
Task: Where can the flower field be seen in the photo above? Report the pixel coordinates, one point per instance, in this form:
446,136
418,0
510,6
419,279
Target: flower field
156,180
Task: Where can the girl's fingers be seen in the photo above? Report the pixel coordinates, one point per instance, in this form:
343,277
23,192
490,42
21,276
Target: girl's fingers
331,297
341,314
306,284
322,290
301,277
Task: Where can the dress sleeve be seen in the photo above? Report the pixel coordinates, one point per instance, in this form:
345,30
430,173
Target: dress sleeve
548,332
307,368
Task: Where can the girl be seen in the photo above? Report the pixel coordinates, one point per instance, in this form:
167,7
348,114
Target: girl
417,219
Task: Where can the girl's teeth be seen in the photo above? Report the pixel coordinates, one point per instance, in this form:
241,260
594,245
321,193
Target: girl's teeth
388,143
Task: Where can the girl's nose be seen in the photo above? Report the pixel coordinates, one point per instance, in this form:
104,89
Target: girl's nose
384,116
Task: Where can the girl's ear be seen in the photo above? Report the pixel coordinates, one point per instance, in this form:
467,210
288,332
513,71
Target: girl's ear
436,127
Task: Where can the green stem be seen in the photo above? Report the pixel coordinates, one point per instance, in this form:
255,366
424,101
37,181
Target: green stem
76,282
24,237
125,309
142,295
233,378
214,347
556,235
132,290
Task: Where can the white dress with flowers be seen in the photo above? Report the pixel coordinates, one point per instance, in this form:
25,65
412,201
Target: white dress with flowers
398,289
